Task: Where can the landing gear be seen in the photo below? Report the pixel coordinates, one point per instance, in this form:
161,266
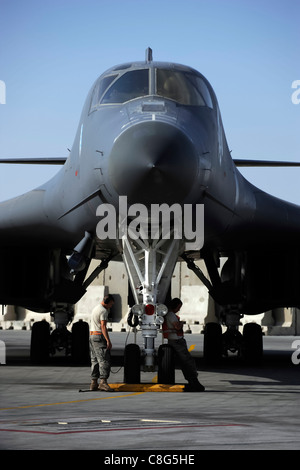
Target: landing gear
132,364
61,341
248,346
80,342
252,347
149,264
212,345
40,342
133,361
166,365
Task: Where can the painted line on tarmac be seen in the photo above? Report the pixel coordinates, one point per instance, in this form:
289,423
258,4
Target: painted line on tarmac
69,402
138,389
146,387
135,389
138,428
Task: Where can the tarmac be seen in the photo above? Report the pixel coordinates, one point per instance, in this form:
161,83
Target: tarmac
50,407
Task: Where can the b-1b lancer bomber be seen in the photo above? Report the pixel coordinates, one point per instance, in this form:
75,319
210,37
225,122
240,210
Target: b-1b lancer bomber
150,181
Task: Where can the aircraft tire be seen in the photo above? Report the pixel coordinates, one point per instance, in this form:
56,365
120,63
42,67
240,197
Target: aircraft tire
212,345
132,364
166,365
40,342
80,342
252,349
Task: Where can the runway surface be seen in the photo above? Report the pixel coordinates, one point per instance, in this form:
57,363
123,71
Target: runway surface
242,407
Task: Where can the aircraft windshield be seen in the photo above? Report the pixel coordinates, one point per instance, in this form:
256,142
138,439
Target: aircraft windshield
129,86
100,88
184,87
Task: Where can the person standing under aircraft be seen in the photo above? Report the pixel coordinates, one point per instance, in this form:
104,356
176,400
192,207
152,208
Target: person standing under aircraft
173,331
100,345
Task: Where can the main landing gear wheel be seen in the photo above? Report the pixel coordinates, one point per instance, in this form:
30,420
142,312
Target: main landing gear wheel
80,342
252,348
40,342
132,364
249,345
166,365
212,346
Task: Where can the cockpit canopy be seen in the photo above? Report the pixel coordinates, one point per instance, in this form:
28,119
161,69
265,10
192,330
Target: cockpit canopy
185,87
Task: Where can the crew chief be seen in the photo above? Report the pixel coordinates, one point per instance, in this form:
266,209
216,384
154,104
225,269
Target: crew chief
100,345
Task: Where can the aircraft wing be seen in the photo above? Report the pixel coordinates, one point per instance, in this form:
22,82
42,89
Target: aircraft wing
153,152
263,163
35,161
239,162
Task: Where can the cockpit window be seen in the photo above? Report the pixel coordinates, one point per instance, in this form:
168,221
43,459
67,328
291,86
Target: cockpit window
130,85
100,88
184,87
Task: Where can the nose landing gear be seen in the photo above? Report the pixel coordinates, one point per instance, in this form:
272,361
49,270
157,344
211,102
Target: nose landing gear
150,266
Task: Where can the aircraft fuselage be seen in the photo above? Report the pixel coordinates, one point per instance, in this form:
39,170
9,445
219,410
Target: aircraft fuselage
152,131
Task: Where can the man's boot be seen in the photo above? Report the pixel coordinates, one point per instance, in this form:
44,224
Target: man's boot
194,386
103,386
94,385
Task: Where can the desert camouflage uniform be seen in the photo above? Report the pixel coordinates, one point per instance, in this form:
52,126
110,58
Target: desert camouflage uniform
100,355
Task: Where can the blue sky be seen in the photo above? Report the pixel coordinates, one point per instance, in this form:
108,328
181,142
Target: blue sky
51,52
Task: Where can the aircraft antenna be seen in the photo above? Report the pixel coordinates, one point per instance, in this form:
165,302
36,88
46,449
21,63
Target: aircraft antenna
149,56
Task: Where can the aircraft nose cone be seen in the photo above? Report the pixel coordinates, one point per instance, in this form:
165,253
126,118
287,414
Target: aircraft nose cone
152,163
